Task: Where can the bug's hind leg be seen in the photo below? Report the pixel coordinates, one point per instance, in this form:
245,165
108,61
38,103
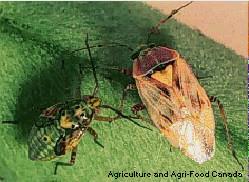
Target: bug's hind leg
71,163
95,136
137,108
228,135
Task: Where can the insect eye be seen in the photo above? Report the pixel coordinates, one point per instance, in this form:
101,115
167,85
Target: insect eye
74,126
77,107
82,116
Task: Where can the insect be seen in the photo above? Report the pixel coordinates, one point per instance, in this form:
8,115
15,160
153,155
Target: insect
176,103
60,127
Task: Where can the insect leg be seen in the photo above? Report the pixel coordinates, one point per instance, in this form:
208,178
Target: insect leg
62,64
139,107
119,115
10,122
130,86
203,77
16,122
125,71
228,135
119,112
136,107
71,163
73,155
95,136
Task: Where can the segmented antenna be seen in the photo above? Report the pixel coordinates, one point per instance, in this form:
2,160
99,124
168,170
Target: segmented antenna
155,29
93,67
110,44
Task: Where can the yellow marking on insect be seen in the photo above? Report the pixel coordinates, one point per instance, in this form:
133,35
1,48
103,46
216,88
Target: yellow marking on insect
78,112
66,122
73,141
95,102
164,76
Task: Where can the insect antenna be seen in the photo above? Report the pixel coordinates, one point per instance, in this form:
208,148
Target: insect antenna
93,67
155,29
77,92
111,44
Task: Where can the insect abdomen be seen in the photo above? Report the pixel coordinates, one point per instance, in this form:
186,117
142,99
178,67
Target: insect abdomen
42,141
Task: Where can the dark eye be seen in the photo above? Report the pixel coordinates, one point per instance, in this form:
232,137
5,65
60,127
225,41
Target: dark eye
77,107
82,116
63,113
74,126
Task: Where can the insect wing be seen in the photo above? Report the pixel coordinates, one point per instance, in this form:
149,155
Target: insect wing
180,108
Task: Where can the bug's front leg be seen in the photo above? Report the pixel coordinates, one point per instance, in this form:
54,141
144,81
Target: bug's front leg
129,87
95,136
111,119
120,115
228,135
125,71
135,108
139,107
71,163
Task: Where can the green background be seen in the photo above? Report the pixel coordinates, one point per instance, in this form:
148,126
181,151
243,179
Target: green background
35,37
